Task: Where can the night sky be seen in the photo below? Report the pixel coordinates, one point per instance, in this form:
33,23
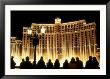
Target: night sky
26,18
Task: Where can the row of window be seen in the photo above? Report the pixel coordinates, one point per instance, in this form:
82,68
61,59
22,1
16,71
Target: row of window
78,25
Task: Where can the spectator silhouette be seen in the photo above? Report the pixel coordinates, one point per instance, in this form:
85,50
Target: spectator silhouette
79,63
89,63
22,64
34,66
57,64
92,63
49,64
27,64
12,63
72,64
95,63
65,64
41,64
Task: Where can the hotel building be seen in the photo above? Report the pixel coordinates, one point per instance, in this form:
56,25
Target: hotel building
61,40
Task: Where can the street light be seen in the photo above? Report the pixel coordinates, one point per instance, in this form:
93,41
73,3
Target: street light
29,31
35,41
43,30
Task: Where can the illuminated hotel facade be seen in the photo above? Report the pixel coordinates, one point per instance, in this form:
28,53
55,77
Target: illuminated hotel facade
61,40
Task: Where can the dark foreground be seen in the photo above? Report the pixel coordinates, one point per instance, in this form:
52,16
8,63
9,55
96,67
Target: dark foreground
92,63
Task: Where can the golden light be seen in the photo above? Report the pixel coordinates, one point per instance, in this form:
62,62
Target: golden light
29,31
43,30
57,20
18,60
53,40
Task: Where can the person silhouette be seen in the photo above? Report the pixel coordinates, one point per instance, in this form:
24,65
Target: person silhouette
57,64
95,63
49,64
12,63
89,63
34,65
72,64
65,64
22,64
79,63
27,64
41,64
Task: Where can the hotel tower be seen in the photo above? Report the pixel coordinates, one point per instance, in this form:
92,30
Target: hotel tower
60,40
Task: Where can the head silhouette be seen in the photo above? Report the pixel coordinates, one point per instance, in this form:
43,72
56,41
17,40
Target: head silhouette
90,57
41,58
49,60
66,60
72,59
77,58
12,57
27,58
57,60
23,60
94,58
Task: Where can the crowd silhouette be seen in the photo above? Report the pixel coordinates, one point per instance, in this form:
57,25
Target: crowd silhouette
75,63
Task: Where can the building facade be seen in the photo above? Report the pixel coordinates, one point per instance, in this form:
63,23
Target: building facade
61,40
16,49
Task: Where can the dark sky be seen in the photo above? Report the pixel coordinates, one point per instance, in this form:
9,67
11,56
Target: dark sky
25,18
